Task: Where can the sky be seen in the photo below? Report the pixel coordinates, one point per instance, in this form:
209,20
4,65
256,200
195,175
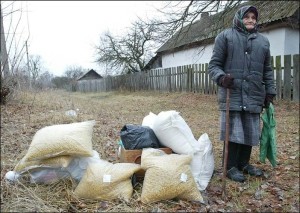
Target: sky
65,33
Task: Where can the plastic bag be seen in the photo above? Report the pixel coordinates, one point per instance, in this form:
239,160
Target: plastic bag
138,137
268,147
49,175
71,113
78,165
12,176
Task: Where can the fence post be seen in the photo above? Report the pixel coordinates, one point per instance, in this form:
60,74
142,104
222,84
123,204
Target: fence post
206,78
196,71
296,78
287,77
180,77
188,79
278,77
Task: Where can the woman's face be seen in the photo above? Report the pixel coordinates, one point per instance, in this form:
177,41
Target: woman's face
249,20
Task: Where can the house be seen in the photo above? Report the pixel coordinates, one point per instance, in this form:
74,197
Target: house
278,21
90,75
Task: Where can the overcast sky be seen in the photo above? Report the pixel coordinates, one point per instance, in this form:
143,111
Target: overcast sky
64,33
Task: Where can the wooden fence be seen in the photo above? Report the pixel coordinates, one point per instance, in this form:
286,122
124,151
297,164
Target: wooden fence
193,78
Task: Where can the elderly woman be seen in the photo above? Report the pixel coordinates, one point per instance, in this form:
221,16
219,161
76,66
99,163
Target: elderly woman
241,63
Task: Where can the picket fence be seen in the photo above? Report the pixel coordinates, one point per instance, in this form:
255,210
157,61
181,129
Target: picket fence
193,78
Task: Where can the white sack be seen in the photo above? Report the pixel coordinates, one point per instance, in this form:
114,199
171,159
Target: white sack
172,131
202,165
149,120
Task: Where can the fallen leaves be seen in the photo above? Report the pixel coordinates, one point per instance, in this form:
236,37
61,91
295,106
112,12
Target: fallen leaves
277,191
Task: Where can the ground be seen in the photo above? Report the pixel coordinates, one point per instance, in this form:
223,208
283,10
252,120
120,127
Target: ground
27,112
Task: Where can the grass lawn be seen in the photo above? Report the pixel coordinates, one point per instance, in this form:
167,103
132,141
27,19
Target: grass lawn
23,116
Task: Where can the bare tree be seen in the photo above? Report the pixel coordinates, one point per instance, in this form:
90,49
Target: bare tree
177,15
73,72
12,48
35,67
132,51
60,82
4,54
129,52
44,81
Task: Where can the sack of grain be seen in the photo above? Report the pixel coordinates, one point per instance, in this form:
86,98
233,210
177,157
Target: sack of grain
167,177
107,181
73,139
172,131
53,162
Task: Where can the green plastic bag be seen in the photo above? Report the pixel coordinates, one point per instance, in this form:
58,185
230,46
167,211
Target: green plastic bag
268,147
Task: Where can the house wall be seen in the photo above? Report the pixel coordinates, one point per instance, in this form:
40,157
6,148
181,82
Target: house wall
196,55
283,41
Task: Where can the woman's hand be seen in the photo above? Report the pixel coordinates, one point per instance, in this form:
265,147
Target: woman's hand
226,81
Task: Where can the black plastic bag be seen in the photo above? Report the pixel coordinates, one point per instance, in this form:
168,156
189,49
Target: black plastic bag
138,137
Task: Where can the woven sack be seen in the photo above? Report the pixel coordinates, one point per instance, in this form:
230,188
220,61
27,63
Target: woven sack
73,139
149,120
172,131
54,162
106,181
167,177
203,163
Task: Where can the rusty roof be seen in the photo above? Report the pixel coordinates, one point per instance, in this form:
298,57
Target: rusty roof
206,29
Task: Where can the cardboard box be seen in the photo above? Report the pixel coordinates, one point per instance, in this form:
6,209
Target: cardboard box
134,156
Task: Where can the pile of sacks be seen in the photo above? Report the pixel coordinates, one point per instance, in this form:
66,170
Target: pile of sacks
65,151
173,132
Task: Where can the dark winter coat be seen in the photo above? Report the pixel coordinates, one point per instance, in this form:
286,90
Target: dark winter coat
246,56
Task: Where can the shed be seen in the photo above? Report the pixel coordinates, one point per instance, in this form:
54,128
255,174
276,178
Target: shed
90,75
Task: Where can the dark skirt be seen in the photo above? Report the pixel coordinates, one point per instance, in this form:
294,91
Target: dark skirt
244,127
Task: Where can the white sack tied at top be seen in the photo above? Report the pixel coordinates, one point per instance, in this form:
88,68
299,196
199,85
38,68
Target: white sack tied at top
202,165
149,120
173,132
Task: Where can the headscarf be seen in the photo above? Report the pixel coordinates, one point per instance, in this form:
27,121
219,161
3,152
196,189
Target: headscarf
238,19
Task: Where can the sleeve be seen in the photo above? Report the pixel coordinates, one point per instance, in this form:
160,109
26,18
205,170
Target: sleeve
217,61
268,76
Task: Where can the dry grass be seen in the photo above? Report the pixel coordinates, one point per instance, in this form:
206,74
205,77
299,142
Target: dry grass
29,112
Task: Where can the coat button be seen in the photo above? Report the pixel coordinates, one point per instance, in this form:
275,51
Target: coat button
246,53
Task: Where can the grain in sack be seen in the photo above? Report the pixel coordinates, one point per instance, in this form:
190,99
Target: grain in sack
167,177
107,181
53,162
73,139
